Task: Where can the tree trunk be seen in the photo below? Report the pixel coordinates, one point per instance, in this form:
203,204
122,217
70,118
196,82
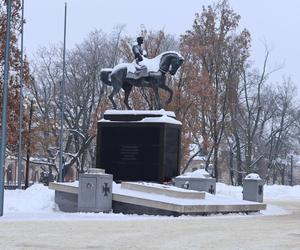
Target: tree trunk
28,146
283,176
216,167
231,168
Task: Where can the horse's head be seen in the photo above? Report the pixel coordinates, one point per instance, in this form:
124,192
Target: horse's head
170,62
176,62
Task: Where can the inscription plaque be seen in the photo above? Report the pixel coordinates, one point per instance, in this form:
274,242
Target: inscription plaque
129,152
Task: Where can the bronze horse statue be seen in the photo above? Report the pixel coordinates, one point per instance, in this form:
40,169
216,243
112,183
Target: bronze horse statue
167,62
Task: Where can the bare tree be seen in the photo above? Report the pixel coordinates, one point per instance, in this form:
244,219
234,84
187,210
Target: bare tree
84,100
218,52
283,129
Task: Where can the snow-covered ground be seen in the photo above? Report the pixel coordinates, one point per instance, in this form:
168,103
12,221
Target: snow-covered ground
37,203
271,192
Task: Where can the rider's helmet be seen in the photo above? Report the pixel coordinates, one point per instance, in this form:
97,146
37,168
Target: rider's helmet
140,40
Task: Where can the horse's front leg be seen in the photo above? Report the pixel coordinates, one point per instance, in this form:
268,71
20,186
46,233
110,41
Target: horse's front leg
127,88
116,88
155,88
165,87
111,98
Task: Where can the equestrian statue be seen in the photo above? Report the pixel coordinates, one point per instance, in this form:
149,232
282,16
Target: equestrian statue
142,72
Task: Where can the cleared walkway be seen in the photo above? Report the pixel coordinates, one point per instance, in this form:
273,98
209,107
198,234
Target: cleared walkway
219,232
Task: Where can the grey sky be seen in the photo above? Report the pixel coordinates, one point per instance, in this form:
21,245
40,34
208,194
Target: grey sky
272,22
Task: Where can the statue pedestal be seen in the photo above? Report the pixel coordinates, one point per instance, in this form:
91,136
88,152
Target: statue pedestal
139,145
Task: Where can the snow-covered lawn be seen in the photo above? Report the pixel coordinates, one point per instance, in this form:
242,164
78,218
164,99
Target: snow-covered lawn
37,203
271,192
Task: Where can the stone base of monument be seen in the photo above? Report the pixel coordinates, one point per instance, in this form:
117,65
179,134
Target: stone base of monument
157,199
139,145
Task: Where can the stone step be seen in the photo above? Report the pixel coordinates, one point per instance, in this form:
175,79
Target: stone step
135,205
130,201
67,187
170,191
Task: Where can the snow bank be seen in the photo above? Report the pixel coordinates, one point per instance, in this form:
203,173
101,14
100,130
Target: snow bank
229,191
280,192
271,192
35,199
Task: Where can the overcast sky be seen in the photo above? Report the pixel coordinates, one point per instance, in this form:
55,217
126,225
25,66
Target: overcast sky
273,22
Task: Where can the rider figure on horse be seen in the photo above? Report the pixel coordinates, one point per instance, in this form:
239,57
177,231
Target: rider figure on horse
138,51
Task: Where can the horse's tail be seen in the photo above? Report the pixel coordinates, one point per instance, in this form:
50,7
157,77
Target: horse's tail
105,75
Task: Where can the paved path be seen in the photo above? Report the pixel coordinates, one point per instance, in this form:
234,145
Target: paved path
245,232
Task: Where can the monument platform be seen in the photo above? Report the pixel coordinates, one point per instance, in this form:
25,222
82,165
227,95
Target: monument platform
157,199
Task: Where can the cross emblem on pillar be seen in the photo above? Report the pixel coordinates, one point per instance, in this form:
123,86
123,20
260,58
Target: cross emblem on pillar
105,189
211,189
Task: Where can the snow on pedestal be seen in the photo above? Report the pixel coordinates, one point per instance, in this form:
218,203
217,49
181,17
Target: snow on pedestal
200,173
146,116
252,176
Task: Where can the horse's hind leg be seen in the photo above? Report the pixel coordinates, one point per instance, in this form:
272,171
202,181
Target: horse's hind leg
116,88
127,88
111,97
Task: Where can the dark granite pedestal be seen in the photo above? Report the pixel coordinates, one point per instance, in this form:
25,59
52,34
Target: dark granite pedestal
139,145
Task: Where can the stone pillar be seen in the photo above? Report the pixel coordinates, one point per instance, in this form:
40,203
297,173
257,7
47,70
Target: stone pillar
253,188
95,192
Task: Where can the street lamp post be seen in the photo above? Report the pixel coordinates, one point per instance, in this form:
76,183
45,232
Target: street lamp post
21,104
4,105
28,146
62,102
